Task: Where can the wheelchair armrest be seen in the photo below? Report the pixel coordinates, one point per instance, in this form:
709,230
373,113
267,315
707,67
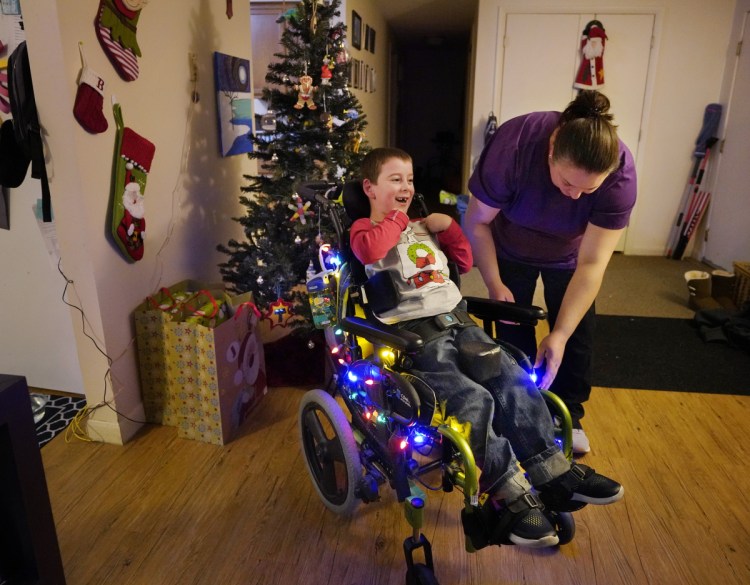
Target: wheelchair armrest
491,310
386,334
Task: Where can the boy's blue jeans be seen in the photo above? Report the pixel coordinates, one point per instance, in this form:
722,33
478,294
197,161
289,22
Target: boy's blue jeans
510,422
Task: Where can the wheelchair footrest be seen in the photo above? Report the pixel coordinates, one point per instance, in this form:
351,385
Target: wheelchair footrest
475,529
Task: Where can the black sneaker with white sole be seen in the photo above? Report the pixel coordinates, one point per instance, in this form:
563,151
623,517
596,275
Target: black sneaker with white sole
579,486
523,523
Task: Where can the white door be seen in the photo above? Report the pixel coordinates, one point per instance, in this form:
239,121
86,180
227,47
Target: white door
729,235
541,57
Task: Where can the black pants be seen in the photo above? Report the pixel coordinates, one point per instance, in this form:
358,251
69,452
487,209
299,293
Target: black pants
573,381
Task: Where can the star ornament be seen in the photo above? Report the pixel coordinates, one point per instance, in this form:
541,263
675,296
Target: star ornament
301,210
278,313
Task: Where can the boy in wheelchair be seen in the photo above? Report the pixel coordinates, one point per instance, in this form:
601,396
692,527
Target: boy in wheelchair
480,384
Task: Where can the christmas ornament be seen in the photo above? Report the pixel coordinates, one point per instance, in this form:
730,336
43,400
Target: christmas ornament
327,120
357,141
116,25
133,156
88,106
591,70
268,121
300,209
325,74
329,146
306,90
274,157
342,57
259,280
279,312
297,240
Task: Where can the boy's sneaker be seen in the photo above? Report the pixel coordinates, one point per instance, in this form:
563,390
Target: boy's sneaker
523,523
581,444
579,486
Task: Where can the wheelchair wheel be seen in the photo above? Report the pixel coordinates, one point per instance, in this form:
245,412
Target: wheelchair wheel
565,525
331,453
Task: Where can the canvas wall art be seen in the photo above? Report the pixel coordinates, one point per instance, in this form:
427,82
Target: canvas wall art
234,103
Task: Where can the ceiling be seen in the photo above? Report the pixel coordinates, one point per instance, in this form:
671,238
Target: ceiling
429,21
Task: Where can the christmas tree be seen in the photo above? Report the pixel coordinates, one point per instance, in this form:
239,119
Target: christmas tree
313,131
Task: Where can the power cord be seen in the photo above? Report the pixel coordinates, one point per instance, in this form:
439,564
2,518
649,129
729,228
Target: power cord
76,428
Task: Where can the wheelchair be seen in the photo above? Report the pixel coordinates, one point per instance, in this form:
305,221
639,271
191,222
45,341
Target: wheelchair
375,423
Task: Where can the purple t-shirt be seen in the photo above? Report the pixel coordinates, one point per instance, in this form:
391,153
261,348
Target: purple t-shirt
537,224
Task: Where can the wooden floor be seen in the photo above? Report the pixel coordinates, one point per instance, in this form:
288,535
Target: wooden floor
169,511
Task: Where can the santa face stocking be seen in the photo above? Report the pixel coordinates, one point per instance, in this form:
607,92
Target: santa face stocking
90,99
133,156
116,25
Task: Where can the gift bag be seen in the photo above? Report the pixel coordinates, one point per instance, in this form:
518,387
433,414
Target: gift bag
201,361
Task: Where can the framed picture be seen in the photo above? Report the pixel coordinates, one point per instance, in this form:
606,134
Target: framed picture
234,103
356,30
367,37
370,39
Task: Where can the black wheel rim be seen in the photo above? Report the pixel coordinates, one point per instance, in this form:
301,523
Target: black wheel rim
325,454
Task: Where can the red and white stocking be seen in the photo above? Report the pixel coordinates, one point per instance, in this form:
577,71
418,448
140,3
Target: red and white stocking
88,107
116,25
133,158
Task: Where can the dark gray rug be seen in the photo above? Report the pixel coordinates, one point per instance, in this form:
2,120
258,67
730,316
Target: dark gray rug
653,353
58,412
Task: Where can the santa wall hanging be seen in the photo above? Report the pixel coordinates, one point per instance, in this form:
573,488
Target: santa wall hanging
591,70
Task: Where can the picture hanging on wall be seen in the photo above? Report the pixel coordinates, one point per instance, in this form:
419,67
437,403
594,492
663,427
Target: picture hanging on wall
234,103
356,30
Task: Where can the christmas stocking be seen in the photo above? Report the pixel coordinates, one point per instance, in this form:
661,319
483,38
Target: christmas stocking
116,25
133,156
89,99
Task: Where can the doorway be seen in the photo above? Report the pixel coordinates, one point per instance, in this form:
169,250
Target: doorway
431,97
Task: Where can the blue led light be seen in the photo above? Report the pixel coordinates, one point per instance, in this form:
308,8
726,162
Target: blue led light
352,376
533,377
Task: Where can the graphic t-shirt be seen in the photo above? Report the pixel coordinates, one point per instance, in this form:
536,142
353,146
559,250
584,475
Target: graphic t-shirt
416,261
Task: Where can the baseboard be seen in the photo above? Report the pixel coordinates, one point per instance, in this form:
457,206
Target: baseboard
115,432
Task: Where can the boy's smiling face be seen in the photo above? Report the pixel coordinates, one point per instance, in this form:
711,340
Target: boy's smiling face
394,188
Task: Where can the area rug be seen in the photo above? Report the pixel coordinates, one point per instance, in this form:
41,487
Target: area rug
654,353
58,412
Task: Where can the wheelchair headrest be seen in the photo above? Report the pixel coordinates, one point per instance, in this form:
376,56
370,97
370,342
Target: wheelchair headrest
355,201
357,204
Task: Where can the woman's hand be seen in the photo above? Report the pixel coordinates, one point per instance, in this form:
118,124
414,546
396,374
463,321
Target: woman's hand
437,222
500,292
550,354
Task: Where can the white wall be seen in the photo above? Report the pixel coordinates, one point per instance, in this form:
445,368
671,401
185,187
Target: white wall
192,192
690,47
374,104
31,288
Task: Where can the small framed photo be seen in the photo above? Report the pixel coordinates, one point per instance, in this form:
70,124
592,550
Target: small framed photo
367,37
356,30
371,39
